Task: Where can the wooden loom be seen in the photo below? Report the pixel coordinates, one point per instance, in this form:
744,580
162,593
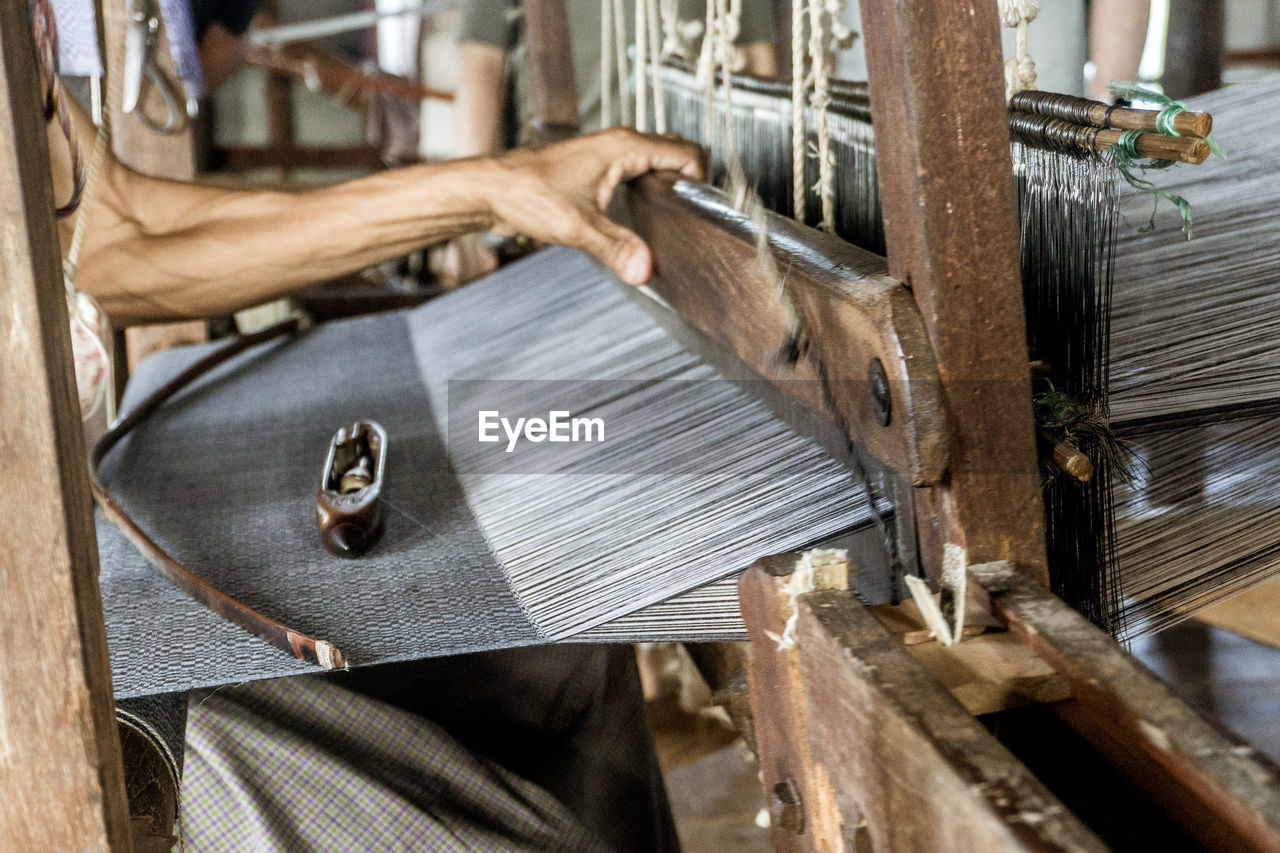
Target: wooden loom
865,743
861,747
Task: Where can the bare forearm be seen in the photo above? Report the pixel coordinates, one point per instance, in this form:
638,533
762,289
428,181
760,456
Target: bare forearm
158,250
180,250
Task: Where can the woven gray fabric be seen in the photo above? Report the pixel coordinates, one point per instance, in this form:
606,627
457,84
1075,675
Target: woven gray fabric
225,475
696,480
702,481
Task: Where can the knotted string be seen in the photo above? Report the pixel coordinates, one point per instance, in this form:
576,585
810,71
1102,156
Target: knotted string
1170,111
1132,165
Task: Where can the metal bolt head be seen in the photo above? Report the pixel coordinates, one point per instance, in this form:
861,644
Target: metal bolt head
786,809
881,402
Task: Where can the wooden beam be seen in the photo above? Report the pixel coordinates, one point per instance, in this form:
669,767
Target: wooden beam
1218,788
992,670
286,158
1193,48
862,749
172,156
942,151
553,94
60,767
708,269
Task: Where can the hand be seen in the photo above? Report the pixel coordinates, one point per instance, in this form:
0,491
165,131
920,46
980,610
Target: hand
558,193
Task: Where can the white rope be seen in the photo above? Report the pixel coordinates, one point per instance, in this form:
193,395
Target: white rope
797,109
677,36
606,63
655,58
820,100
707,76
728,15
620,46
642,61
1019,70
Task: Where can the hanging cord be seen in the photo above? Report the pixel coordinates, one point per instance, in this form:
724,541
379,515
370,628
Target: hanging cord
1020,69
87,320
642,63
706,77
678,36
1133,166
827,34
655,67
45,29
728,24
606,63
797,110
620,49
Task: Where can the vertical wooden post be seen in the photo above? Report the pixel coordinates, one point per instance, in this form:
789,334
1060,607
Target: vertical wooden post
549,62
60,771
170,156
942,147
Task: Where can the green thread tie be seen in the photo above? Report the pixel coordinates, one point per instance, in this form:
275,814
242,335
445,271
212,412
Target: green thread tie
1164,118
1133,166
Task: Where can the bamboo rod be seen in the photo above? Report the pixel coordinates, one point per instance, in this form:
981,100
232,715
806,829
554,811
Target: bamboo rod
1184,149
1098,114
1071,136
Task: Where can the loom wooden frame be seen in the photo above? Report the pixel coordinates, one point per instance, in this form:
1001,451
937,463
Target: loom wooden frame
60,762
951,238
930,777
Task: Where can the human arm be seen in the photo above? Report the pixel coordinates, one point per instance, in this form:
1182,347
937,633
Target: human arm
158,250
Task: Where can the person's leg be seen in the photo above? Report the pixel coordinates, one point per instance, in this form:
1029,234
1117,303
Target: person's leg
304,764
569,718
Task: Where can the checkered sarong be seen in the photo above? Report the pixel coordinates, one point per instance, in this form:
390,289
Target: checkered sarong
542,748
302,764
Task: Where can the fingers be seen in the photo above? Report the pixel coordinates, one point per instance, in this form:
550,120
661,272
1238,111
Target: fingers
663,153
641,153
620,248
